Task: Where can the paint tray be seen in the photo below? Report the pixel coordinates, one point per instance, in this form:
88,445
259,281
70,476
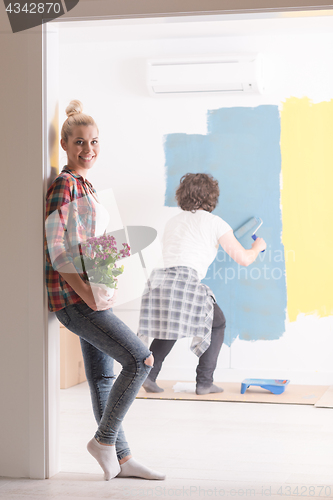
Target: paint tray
274,386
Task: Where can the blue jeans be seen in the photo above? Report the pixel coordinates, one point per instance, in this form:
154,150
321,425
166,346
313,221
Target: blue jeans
106,333
100,376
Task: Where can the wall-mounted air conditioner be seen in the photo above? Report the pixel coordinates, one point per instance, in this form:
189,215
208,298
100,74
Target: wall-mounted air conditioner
234,73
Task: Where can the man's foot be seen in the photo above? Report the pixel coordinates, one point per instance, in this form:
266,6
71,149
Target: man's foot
204,389
150,386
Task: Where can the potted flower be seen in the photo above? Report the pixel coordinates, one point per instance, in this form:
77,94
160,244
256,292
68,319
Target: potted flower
98,261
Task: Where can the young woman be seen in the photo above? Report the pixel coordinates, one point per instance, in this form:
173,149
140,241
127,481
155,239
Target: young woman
72,216
177,304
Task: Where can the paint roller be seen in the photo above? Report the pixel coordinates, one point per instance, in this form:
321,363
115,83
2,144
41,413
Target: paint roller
252,226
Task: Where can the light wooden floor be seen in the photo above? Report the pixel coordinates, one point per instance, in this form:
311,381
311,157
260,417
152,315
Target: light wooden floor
207,449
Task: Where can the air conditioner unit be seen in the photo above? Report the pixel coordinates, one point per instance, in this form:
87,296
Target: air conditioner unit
224,73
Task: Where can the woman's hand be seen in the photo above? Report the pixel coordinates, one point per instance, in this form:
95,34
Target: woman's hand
93,295
97,298
113,299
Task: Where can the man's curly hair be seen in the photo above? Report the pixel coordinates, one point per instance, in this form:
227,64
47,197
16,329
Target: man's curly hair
197,191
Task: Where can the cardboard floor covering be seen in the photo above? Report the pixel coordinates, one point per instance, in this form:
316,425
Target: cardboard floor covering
293,394
326,401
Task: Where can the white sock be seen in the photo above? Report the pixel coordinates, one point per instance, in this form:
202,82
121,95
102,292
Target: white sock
106,457
132,468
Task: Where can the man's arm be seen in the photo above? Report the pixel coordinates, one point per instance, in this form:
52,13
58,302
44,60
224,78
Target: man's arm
237,252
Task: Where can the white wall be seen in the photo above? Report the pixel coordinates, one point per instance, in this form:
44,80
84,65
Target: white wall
104,67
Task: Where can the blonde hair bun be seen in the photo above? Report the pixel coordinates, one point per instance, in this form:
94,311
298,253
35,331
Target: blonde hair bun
75,117
74,107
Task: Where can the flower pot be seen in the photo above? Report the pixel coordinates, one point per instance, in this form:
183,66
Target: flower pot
104,287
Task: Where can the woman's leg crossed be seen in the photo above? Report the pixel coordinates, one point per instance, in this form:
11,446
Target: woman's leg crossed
107,333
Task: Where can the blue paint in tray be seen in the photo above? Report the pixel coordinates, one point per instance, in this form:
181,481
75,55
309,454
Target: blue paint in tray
274,386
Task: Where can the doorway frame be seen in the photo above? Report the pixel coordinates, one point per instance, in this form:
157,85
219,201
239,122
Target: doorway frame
86,11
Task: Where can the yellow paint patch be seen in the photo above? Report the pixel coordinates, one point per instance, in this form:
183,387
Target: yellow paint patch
54,141
307,205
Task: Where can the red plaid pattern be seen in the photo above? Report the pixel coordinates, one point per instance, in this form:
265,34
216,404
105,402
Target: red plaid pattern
70,220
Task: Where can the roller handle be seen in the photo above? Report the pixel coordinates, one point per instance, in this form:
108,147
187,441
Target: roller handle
254,237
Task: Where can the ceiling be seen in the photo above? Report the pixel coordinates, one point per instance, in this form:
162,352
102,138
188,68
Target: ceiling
311,22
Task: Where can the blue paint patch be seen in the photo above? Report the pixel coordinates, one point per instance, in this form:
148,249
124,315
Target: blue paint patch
242,151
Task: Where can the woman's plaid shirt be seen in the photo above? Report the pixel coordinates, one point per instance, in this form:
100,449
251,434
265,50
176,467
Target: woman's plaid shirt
70,220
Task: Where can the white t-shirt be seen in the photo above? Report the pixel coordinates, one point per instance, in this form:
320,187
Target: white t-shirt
191,240
101,217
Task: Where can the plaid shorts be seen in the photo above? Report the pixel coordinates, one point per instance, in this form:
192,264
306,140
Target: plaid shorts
176,304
